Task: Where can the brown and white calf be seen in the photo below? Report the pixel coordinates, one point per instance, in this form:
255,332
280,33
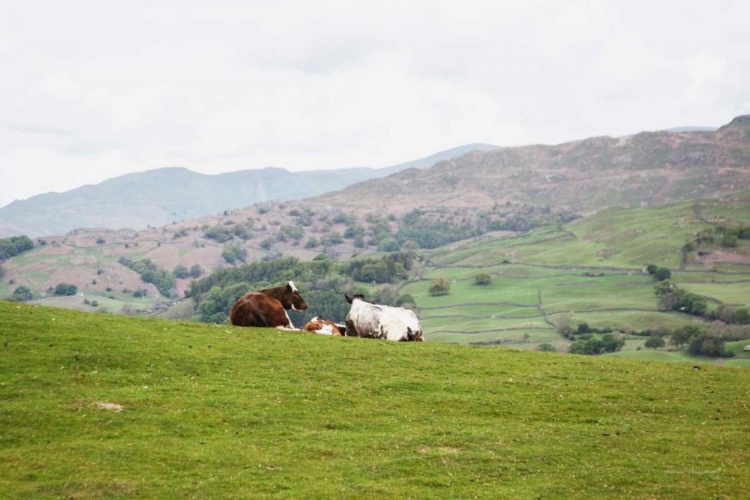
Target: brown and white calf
381,322
268,307
324,327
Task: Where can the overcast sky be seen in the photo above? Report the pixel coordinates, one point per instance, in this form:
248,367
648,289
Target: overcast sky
90,90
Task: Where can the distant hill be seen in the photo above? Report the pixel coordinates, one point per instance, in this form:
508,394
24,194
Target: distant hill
583,176
166,195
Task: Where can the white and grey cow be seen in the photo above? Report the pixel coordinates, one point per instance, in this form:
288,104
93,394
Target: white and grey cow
381,322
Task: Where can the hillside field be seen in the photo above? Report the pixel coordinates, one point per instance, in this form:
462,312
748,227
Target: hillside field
590,271
98,405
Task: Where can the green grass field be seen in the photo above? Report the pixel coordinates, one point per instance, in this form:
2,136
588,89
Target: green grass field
590,271
108,406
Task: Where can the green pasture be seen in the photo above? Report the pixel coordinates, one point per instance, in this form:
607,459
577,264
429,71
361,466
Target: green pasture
734,293
108,406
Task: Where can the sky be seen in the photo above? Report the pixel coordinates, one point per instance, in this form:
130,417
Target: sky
91,90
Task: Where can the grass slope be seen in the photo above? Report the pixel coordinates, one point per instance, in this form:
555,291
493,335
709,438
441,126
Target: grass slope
220,412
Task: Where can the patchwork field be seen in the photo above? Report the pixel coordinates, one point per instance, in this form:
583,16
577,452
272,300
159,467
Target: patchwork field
108,406
591,271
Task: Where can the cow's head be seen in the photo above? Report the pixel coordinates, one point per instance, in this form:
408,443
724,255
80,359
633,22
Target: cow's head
292,299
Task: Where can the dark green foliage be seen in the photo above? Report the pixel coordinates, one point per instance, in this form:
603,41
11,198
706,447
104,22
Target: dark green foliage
195,271
389,245
741,316
597,345
483,279
439,286
429,233
672,298
331,238
219,233
583,328
651,268
267,243
547,347
181,272
234,254
705,345
65,289
684,335
21,294
151,273
266,273
311,242
295,233
655,342
662,274
10,247
388,269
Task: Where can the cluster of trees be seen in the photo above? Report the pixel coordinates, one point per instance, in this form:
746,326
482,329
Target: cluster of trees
429,233
21,294
592,345
672,298
151,273
322,280
233,254
724,236
10,247
388,269
700,342
182,272
222,233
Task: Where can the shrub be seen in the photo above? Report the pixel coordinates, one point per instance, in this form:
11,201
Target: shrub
654,342
483,279
65,289
439,286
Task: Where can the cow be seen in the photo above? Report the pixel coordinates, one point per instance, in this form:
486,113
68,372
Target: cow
381,322
324,327
267,307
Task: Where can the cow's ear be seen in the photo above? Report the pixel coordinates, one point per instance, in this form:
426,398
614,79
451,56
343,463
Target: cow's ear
289,288
348,298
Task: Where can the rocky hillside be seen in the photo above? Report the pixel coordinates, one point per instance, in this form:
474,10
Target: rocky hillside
582,176
162,196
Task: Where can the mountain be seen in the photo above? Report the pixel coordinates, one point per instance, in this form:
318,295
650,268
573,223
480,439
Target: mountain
161,196
582,176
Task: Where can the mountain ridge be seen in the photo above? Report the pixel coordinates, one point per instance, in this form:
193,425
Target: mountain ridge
170,194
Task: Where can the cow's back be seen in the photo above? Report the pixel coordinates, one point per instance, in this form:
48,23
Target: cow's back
256,309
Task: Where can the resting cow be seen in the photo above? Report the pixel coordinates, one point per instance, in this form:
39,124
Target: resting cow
268,307
381,322
324,327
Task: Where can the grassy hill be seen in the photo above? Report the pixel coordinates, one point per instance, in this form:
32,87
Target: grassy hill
105,406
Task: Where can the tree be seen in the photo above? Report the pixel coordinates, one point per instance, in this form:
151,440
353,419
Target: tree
21,294
683,335
65,289
655,342
662,274
483,279
180,272
195,271
439,286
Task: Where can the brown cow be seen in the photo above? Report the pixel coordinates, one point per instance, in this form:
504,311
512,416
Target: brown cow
267,307
324,327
